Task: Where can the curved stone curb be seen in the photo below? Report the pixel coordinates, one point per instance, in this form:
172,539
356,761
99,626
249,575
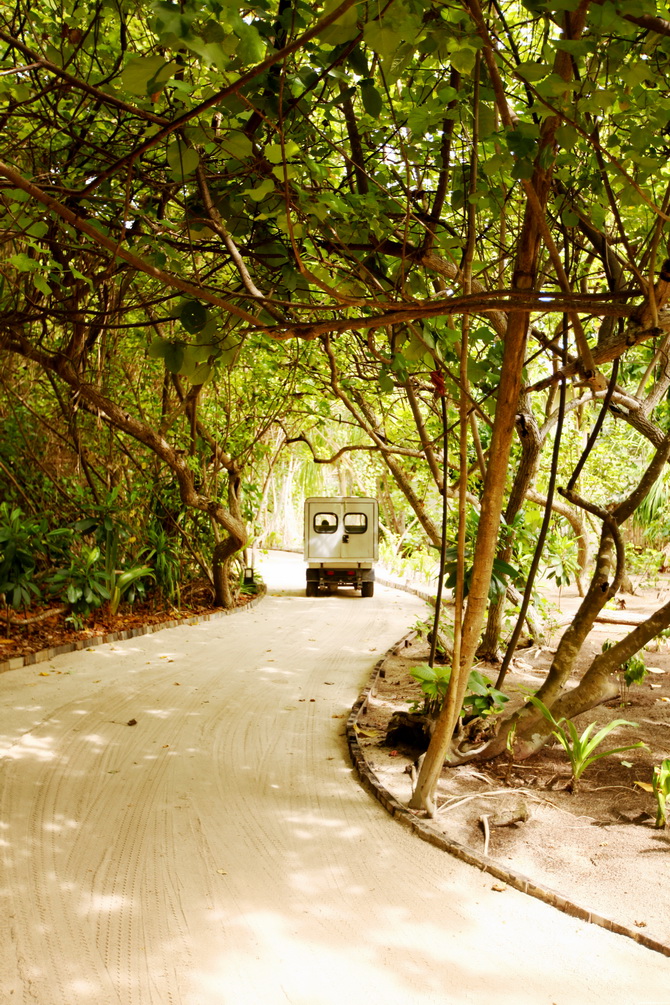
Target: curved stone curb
130,633
398,584
427,831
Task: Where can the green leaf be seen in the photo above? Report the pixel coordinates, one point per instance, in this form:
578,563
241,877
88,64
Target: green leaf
383,40
201,375
182,160
251,48
277,155
533,71
193,316
22,263
237,145
358,61
146,75
173,356
158,348
371,98
522,141
385,381
342,30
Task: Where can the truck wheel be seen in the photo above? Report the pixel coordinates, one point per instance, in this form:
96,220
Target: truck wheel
367,589
311,589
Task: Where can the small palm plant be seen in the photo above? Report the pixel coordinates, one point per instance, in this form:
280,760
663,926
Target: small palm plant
633,671
660,783
660,786
580,749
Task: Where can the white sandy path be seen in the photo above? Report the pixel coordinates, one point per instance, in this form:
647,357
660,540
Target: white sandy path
220,852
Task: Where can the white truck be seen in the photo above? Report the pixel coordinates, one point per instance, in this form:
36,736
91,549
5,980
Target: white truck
341,543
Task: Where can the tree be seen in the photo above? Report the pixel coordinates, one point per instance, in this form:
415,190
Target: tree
419,189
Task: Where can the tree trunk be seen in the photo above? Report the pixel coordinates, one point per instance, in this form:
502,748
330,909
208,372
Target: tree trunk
532,730
506,408
529,436
578,528
229,518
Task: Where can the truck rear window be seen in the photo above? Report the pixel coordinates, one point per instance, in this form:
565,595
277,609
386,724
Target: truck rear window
355,523
325,523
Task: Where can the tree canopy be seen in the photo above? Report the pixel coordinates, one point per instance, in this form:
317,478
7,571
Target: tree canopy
227,230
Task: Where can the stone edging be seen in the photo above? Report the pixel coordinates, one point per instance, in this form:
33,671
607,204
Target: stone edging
425,829
16,662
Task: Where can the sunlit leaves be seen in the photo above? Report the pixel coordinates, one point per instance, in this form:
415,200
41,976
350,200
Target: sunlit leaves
182,160
276,153
236,144
344,28
533,71
147,75
23,263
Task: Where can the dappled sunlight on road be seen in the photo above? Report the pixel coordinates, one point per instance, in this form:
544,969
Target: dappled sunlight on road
179,823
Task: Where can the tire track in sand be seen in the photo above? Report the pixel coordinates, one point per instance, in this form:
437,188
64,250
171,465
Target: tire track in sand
219,852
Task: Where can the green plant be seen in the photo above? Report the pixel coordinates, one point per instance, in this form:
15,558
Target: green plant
482,697
164,558
249,587
501,573
646,563
445,636
17,557
580,748
561,562
660,786
125,583
82,584
660,781
26,548
434,682
633,671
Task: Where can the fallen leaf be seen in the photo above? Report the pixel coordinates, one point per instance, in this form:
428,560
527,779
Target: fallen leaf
499,887
366,731
44,673
132,722
222,872
644,785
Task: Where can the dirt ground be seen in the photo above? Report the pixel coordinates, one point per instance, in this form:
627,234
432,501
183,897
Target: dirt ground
19,637
181,823
597,846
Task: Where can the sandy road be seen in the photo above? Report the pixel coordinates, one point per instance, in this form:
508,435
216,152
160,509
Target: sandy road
219,851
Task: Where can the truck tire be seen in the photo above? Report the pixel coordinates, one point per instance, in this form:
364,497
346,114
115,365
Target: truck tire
311,589
367,588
